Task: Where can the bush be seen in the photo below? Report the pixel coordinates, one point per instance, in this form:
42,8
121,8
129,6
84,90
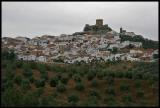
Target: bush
28,73
54,81
119,74
41,68
40,83
137,84
31,79
77,78
94,83
73,98
25,84
94,93
140,93
39,92
128,74
110,90
124,86
79,86
8,84
90,76
100,75
18,79
33,65
127,98
137,75
109,80
44,76
65,79
19,64
92,101
60,87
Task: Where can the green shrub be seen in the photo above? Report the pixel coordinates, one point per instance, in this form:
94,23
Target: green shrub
40,83
28,73
77,78
79,86
140,93
92,101
128,74
94,83
19,64
127,98
137,84
137,75
94,93
29,100
60,87
33,65
73,98
110,90
25,84
65,79
8,84
18,79
109,80
119,74
31,79
90,76
44,76
124,86
100,75
39,92
41,68
54,81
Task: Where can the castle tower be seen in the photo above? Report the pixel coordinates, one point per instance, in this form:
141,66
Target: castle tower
121,30
99,22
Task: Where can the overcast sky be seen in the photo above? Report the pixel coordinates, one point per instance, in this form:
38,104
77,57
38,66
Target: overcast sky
54,18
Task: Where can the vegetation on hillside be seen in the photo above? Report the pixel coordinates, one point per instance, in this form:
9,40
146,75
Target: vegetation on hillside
95,84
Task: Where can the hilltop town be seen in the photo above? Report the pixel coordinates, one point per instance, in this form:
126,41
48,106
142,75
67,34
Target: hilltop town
96,43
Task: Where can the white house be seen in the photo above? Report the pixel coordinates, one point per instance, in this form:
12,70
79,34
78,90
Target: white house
137,44
41,58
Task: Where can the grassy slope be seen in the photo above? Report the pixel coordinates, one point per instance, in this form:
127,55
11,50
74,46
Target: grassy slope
150,97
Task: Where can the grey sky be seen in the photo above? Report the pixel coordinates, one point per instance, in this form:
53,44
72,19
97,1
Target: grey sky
54,18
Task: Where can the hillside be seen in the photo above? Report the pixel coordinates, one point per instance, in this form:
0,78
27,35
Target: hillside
99,84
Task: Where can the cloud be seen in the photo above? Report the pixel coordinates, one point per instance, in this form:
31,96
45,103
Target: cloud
54,18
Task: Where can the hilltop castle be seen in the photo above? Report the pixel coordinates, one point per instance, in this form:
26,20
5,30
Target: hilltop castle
98,28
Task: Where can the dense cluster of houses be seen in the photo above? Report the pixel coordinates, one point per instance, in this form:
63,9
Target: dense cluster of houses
77,48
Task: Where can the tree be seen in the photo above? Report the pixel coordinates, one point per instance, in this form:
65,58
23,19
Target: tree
18,79
77,78
54,81
90,75
124,87
114,50
65,79
140,92
79,86
94,93
40,83
94,83
110,90
25,84
73,99
87,28
60,87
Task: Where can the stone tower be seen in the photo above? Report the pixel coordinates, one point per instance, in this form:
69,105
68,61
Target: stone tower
121,30
99,22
